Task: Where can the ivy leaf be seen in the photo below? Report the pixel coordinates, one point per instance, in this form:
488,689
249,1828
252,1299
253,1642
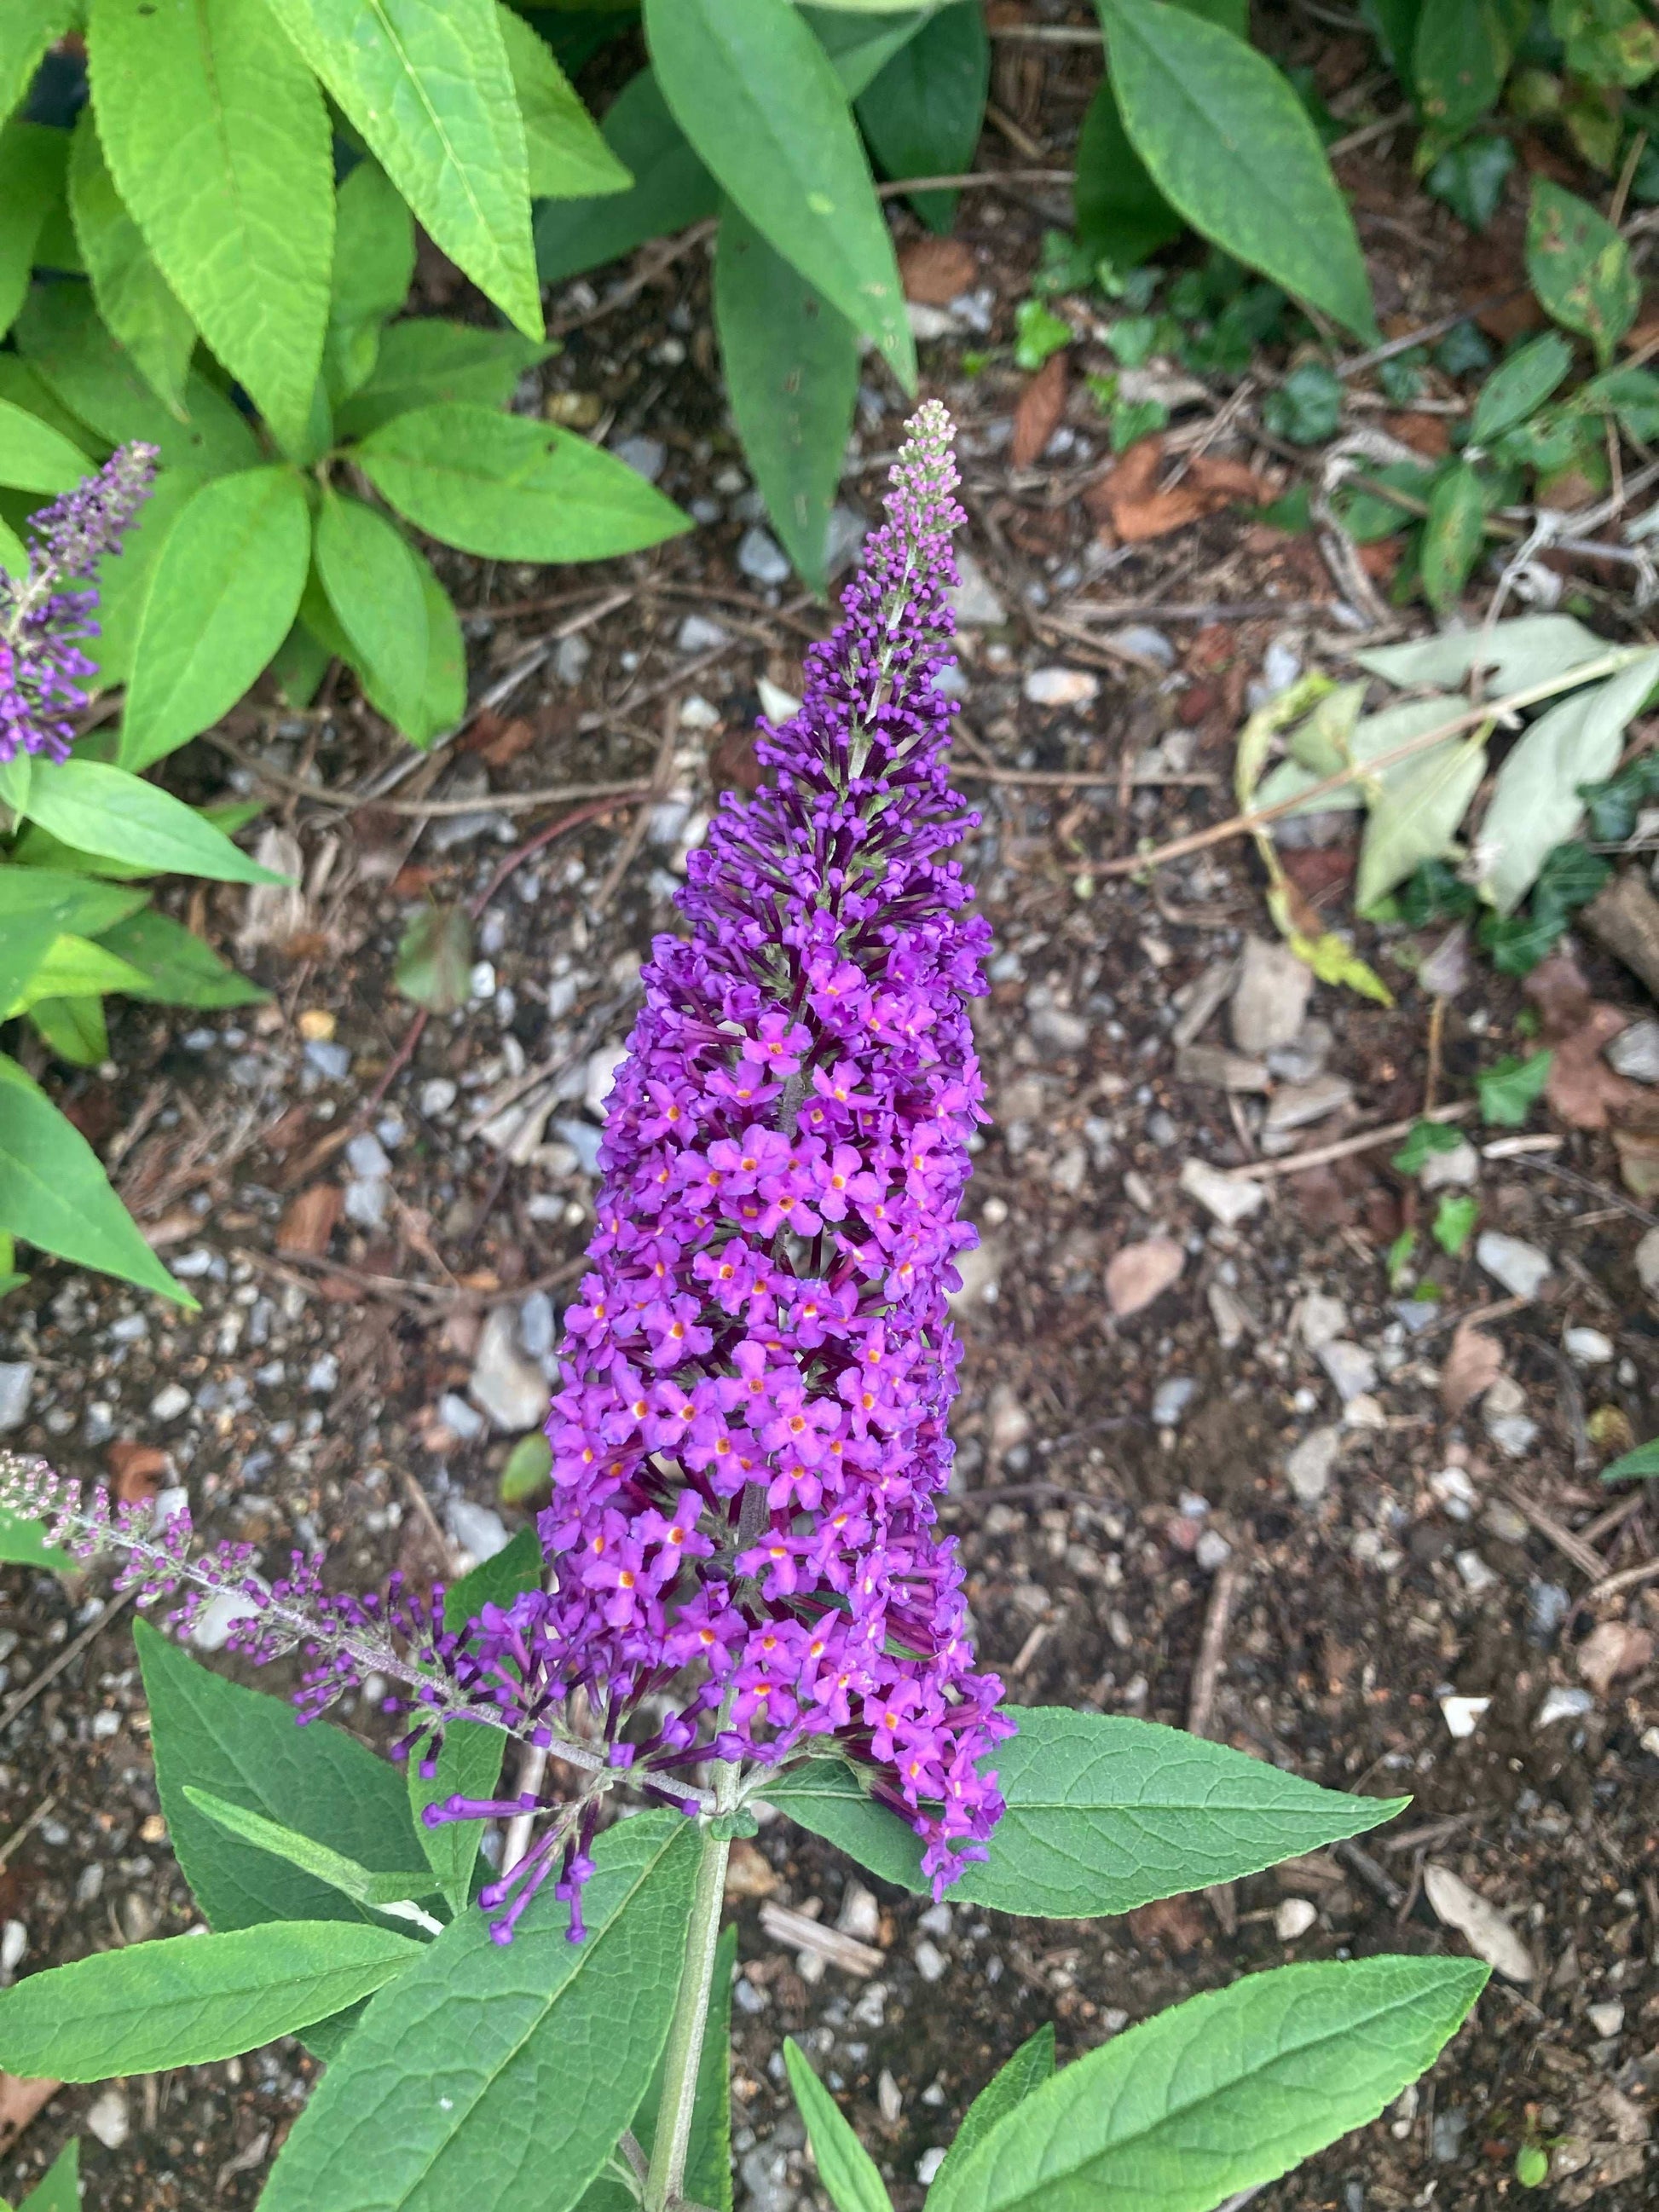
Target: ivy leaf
757,97
140,307
1454,1221
428,84
1510,1088
1306,408
1423,1141
218,137
192,2000
791,374
1470,179
54,1193
1580,267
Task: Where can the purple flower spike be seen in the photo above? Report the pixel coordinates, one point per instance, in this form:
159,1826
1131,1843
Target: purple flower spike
47,617
752,1432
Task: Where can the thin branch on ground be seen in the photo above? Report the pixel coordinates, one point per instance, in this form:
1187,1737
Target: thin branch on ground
1343,1148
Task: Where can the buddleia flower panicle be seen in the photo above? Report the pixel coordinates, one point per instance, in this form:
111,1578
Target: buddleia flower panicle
46,616
750,1435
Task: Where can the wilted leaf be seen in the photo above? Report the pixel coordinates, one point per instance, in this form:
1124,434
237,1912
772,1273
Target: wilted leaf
1489,1933
1615,1649
1581,1087
1473,1365
1141,1273
435,959
1417,816
308,1222
1529,650
1038,415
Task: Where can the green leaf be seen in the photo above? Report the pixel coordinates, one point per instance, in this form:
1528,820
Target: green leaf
851,2179
250,1750
1460,57
567,156
1104,1814
54,1193
139,306
1631,1465
1452,534
1121,213
299,663
670,189
560,2042
375,588
23,946
1424,1140
1453,1222
22,1543
105,809
28,28
792,375
1031,2065
1519,386
435,959
527,1470
55,900
73,1029
67,346
1470,179
386,1892
1510,1088
224,593
176,969
1038,332
34,456
469,1764
58,2189
31,161
923,114
861,43
1306,408
191,2000
1230,2089
428,85
759,100
1537,803
1416,816
1231,147
443,696
374,267
70,964
424,360
1580,267
218,141
513,489
1532,649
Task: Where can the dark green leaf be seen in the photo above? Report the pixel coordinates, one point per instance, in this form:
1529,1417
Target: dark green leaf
435,959
425,361
1230,2089
23,1543
1459,59
559,2043
1230,148
513,489
1633,1466
140,307
1509,1089
1031,2065
218,137
191,2000
1306,408
567,158
1452,534
1470,179
1519,384
392,1893
1580,267
54,1193
179,969
851,2179
861,43
757,97
222,597
299,666
374,265
923,115
671,190
428,84
1104,1814
373,585
1424,1140
249,1749
791,374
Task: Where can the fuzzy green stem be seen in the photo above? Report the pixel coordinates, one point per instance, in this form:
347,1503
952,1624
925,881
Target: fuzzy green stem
686,2035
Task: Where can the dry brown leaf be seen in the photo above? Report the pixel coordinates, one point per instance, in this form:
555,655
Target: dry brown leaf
1582,1088
1042,406
1141,1273
1473,1364
22,2097
501,742
136,1469
1614,1649
1170,1920
1487,1930
935,270
1130,500
1638,1148
309,1220
1428,434
1560,990
1221,479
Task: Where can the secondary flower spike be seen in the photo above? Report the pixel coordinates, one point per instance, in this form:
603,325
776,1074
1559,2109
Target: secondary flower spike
752,1432
46,617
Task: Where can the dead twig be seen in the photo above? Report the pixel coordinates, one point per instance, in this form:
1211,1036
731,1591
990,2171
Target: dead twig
1586,1560
72,1651
1344,1148
1206,1672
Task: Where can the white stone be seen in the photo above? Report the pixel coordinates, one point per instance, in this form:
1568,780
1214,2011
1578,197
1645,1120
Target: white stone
698,634
1321,1318
1647,1262
601,1067
1477,1576
928,2164
107,2118
1561,1704
17,1380
1589,1346
1308,1469
14,1941
478,1529
1463,1716
1294,1917
761,557
927,324
437,1096
1214,1550
1061,687
1522,1268
776,704
513,1393
1457,1495
975,600
465,1420
1350,1366
931,1962
1453,1170
1607,2019
645,456
1230,1199
1270,998
861,1914
168,1403
1635,1052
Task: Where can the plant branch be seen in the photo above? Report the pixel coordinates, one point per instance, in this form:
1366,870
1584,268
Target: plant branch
684,2055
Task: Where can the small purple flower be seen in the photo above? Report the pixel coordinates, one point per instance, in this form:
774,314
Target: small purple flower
47,617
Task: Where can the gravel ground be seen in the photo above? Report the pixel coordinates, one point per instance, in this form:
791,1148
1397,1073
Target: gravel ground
1207,1473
